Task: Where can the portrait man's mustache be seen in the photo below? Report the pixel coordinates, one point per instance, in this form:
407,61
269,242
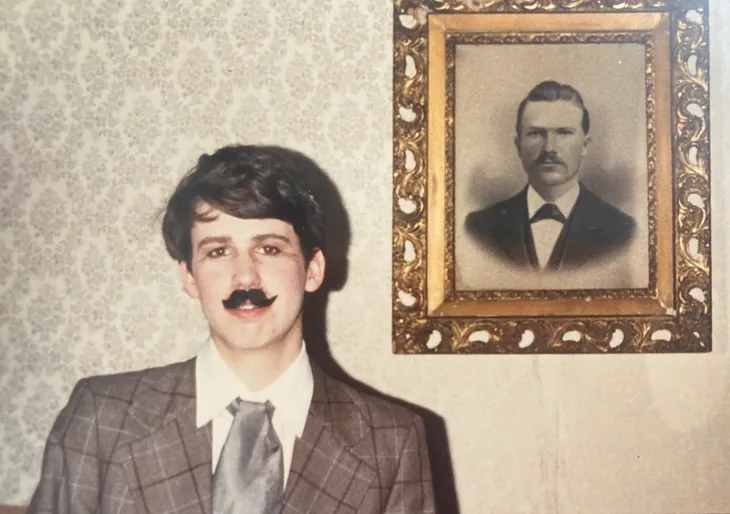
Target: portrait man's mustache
241,296
549,158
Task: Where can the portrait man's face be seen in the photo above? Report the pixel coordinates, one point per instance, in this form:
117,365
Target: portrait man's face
231,253
551,144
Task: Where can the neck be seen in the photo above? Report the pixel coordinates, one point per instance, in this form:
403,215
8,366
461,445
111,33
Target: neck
258,367
552,194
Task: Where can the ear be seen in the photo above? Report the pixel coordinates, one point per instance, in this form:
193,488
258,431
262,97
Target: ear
188,281
586,141
315,272
517,143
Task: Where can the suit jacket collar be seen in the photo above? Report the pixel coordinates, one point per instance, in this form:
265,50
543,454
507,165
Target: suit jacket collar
166,447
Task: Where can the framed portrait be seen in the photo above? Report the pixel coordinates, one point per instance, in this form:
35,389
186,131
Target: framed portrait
551,176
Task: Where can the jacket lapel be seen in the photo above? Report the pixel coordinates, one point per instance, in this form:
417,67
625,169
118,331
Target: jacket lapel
325,475
582,232
513,231
169,467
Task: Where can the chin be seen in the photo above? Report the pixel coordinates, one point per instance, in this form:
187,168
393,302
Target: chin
551,178
547,184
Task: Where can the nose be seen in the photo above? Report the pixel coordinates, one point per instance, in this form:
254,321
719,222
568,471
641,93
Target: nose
550,142
246,272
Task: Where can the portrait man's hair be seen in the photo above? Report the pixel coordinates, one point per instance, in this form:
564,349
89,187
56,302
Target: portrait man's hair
246,182
552,91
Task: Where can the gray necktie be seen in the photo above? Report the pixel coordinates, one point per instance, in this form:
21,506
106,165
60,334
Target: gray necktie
249,477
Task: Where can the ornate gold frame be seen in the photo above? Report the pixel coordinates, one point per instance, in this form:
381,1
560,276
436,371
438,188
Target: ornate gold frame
674,313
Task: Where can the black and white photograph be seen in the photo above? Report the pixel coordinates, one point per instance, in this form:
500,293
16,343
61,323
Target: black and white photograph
550,178
550,167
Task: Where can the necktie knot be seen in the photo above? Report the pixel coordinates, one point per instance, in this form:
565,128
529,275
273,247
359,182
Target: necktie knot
548,211
239,405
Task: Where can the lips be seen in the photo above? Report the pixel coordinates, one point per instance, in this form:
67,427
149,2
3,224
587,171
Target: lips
549,162
549,166
248,310
248,306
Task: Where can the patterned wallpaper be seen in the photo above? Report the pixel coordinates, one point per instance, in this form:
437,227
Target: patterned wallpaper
105,104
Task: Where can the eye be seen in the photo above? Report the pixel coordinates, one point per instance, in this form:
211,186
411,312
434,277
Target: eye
565,131
218,252
269,250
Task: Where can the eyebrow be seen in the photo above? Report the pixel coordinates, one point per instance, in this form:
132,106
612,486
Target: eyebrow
278,237
213,239
227,239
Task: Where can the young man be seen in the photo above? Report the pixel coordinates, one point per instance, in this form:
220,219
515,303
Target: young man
249,425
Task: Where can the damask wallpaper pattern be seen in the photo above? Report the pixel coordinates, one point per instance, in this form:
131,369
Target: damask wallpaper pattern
105,104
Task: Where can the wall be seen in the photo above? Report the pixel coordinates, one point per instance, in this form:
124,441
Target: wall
103,105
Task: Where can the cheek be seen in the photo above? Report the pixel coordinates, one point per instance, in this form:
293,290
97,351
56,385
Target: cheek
528,148
575,150
213,283
284,277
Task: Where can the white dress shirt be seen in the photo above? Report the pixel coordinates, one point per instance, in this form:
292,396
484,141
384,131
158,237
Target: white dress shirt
216,386
545,233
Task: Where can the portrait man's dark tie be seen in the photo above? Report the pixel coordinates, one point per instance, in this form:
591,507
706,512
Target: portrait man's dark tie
548,211
250,473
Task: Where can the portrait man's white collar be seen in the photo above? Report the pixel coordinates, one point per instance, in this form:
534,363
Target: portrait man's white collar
565,203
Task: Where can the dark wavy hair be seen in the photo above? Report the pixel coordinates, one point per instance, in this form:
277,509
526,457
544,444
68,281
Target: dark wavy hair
551,91
250,182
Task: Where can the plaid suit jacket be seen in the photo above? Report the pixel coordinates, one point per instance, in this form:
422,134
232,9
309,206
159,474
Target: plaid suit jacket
128,443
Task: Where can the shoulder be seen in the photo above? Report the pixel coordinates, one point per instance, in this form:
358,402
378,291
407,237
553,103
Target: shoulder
106,399
374,412
496,213
128,385
357,417
381,413
610,215
501,208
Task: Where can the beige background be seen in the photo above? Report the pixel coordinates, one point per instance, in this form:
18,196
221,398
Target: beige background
491,81
103,105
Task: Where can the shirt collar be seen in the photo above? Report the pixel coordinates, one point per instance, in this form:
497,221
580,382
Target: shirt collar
565,203
216,386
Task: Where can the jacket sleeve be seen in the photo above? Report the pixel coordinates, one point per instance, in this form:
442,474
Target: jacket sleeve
412,490
69,481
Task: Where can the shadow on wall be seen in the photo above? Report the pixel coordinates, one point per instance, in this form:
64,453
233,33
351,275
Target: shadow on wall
315,331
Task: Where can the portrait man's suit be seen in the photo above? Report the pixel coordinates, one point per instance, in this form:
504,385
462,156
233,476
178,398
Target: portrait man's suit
128,443
593,231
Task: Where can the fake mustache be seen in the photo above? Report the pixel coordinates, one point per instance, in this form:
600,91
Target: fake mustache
548,158
240,296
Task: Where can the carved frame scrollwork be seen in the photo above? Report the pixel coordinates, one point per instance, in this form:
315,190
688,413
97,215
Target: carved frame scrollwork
674,313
